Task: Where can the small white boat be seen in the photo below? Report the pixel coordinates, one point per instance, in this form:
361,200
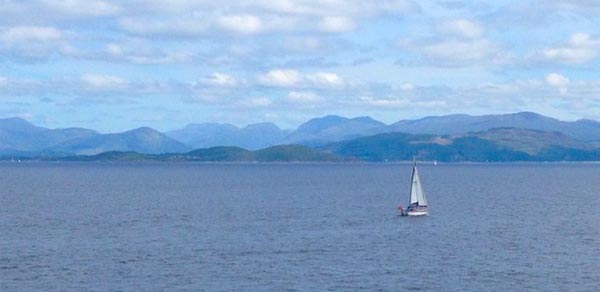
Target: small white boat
418,201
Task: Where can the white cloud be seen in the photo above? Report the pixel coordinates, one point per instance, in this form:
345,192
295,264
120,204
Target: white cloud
182,26
162,58
407,87
53,12
281,78
82,7
558,81
114,49
33,42
210,18
303,97
458,42
460,51
209,24
580,49
385,102
453,51
220,79
3,81
293,78
103,81
245,24
337,24
26,34
394,103
325,79
139,51
357,8
303,44
463,28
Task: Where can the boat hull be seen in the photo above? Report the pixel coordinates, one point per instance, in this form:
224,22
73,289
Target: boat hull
413,213
417,213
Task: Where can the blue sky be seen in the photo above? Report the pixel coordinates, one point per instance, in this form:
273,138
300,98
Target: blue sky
116,65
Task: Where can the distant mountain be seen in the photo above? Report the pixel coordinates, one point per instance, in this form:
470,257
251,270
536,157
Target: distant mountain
283,153
524,133
505,144
142,140
328,129
254,136
317,131
321,131
584,130
20,136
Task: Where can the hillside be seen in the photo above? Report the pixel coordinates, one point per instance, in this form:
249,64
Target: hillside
320,131
530,141
583,130
402,147
254,136
220,153
143,140
20,136
492,145
293,153
283,153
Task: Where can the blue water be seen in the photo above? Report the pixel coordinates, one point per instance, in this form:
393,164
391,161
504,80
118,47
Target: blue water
297,227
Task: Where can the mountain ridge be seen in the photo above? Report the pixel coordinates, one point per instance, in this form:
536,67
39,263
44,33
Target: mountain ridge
583,129
495,145
18,137
252,136
142,140
319,131
490,145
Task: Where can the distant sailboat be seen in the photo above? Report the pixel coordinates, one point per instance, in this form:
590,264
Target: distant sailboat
418,201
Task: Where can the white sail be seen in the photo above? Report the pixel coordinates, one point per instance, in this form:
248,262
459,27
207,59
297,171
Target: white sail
414,186
417,195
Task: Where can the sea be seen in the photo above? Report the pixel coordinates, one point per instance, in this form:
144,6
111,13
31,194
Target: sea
298,227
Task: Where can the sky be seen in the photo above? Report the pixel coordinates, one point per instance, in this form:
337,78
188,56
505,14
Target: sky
118,65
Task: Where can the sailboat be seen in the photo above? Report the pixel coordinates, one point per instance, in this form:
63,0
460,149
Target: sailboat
418,201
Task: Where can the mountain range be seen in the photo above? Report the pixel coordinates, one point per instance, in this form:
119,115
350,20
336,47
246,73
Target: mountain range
20,138
528,135
328,129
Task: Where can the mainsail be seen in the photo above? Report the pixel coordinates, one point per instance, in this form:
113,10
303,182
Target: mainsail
417,195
